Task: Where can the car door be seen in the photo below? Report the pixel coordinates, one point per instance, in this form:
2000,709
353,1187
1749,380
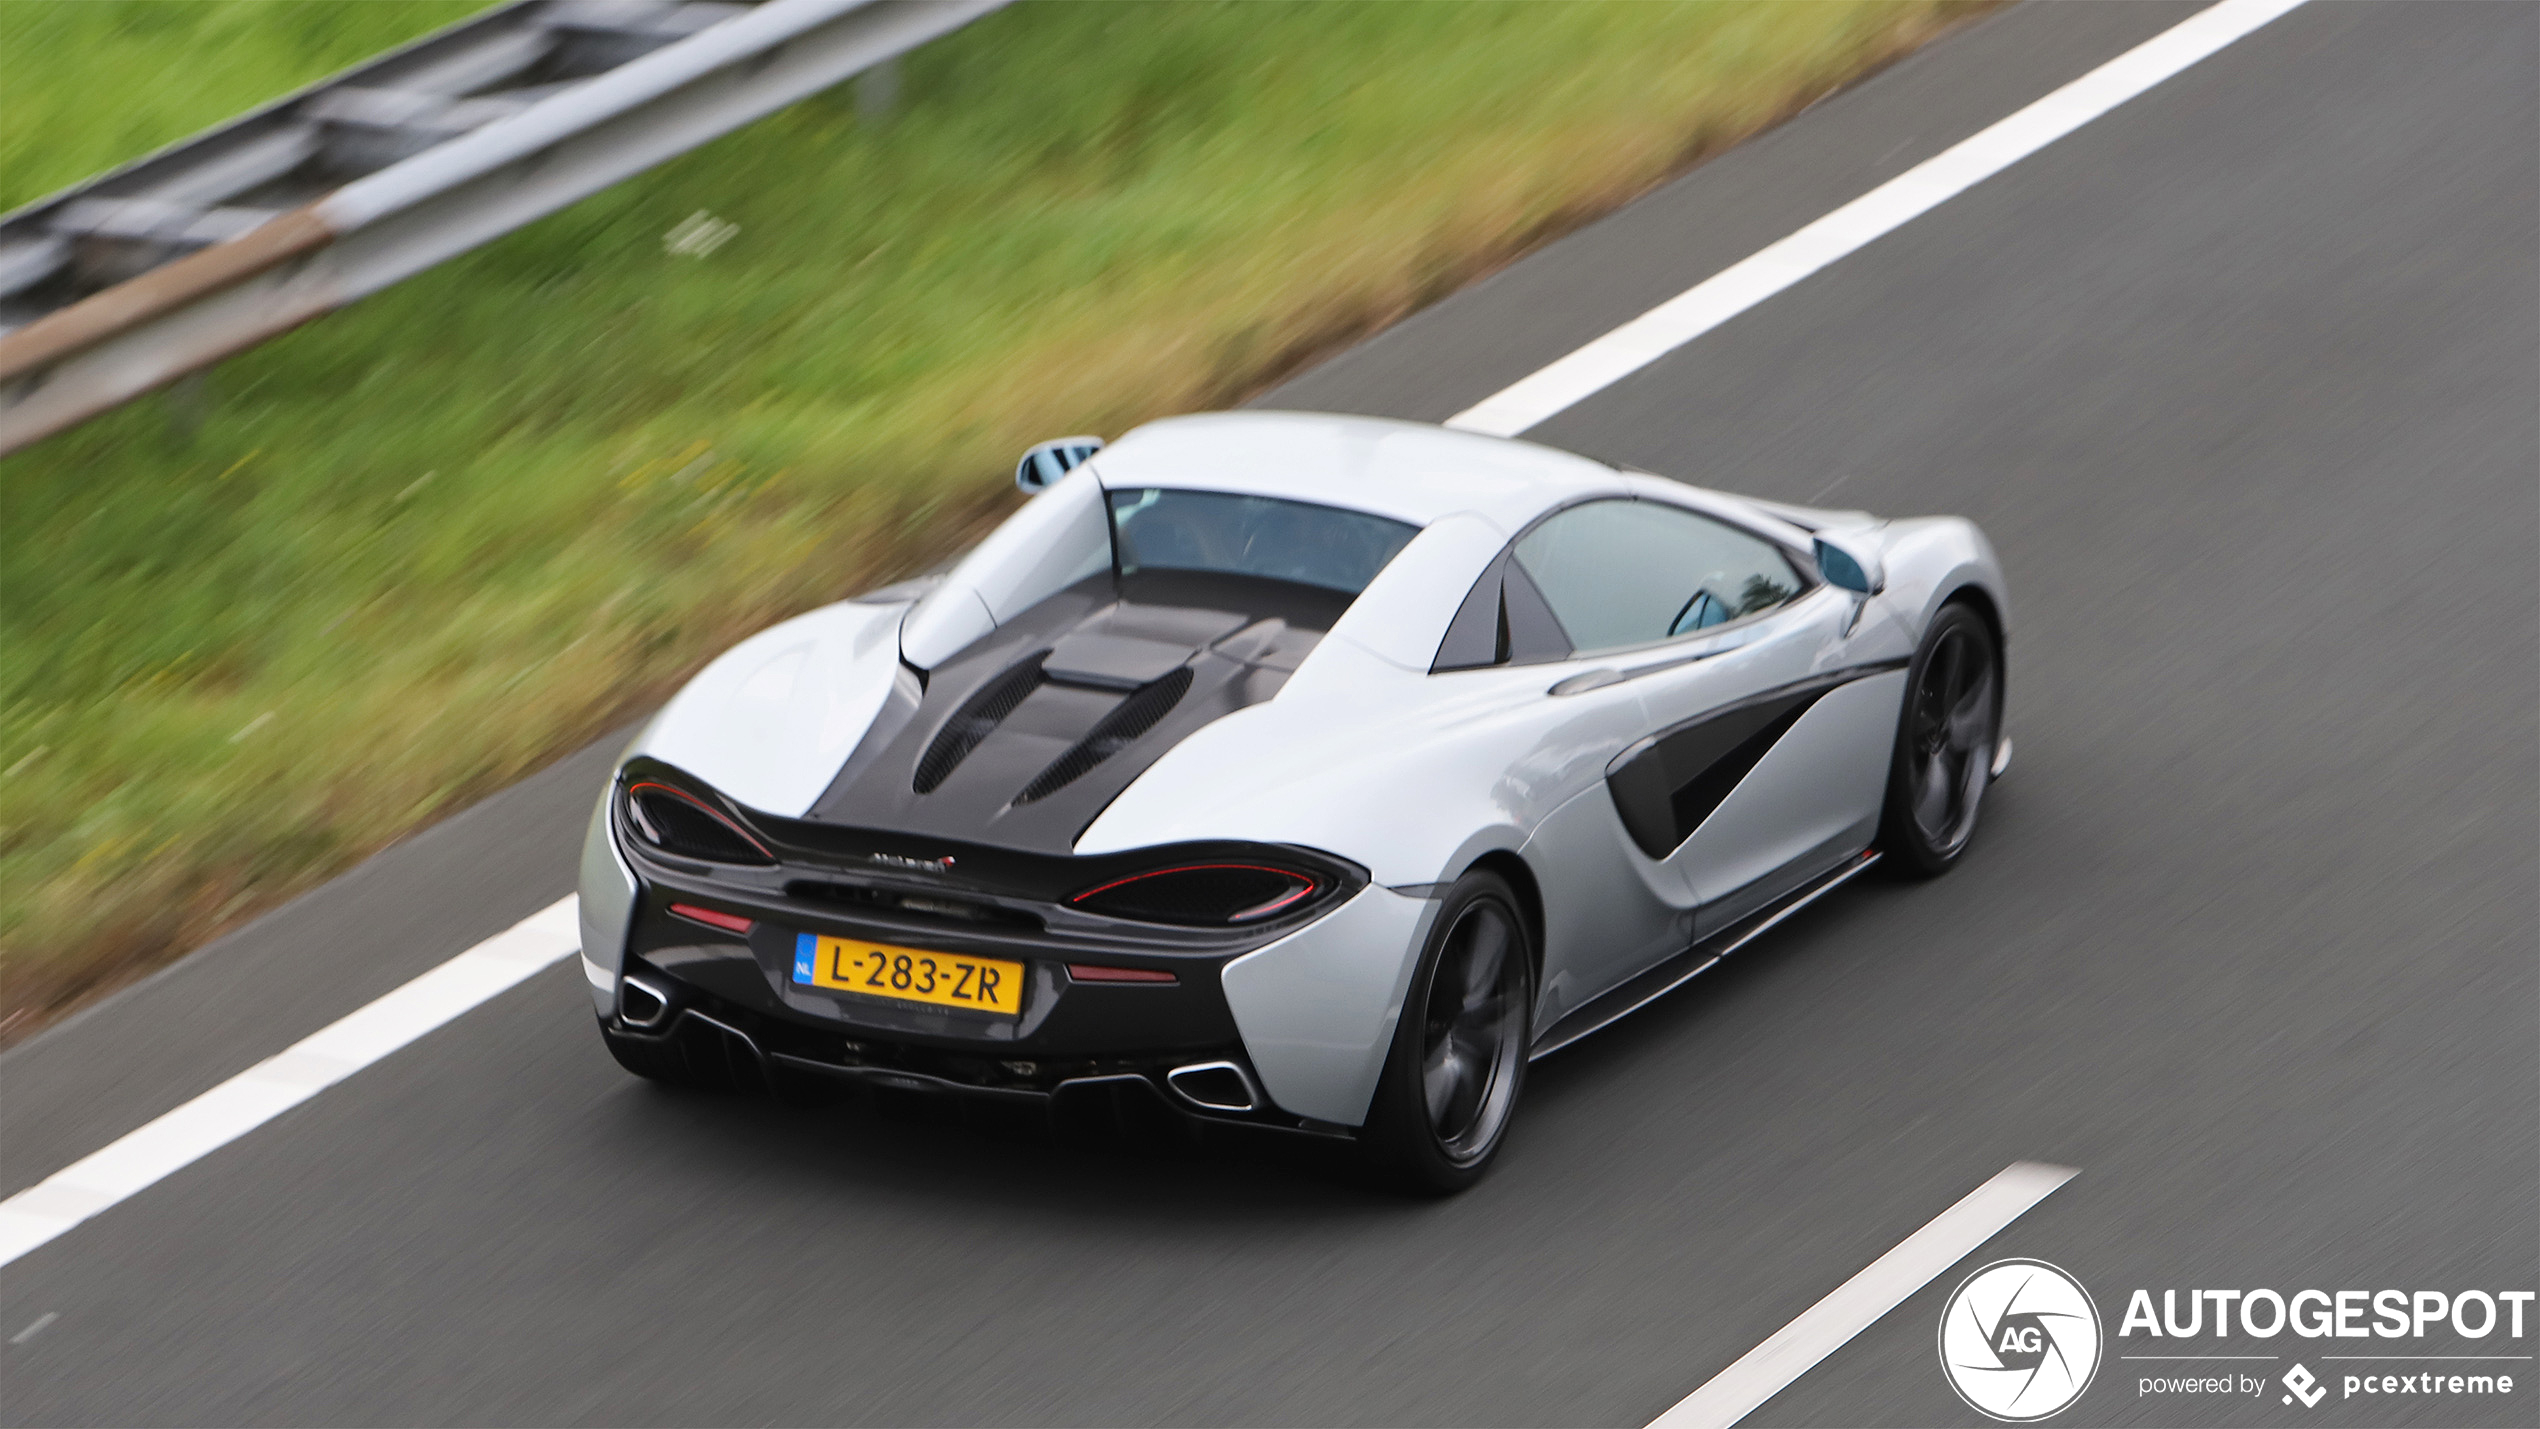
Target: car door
1605,912
1772,763
1757,763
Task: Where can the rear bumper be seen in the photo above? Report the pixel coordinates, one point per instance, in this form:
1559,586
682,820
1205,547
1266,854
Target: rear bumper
1304,1013
1185,1092
1307,1019
726,1009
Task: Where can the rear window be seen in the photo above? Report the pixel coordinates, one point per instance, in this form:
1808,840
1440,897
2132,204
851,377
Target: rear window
1156,529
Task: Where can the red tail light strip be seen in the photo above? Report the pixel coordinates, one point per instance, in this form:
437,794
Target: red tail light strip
728,922
1264,910
1191,868
1093,972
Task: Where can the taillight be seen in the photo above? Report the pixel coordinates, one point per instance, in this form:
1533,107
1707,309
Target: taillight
676,821
1201,894
1096,972
728,922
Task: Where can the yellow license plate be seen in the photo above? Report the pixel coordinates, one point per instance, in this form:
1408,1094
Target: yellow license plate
908,974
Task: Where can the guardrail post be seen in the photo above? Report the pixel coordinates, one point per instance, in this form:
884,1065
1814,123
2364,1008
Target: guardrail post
189,403
877,92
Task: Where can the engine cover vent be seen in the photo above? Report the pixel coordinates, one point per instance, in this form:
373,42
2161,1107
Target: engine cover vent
975,721
1119,729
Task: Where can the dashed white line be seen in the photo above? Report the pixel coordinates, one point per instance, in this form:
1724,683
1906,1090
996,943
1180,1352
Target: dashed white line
31,1331
1706,305
1855,1305
271,1087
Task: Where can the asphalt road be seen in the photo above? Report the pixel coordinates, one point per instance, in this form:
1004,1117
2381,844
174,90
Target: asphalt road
2243,379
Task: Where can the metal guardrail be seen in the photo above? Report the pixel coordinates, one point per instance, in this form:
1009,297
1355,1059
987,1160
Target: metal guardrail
136,278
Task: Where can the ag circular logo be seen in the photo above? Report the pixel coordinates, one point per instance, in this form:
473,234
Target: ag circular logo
2019,1340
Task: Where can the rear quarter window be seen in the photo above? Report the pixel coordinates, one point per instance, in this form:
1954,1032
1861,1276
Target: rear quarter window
1619,573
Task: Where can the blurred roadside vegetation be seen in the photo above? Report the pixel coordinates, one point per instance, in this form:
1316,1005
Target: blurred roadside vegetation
256,628
86,85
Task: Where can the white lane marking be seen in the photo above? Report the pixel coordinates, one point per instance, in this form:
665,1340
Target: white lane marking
1828,1325
283,1081
31,1331
1706,305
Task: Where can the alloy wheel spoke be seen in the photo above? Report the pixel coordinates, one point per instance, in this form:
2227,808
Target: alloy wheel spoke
1952,662
1454,1085
1931,793
1930,717
1482,962
1472,1058
1970,714
1441,1079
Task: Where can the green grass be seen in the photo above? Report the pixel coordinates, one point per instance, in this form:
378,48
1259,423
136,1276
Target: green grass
87,85
404,555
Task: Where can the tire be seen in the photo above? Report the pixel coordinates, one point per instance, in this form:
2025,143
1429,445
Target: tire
1450,1083
1946,733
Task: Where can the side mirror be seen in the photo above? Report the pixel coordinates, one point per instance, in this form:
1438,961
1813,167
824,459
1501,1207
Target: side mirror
1853,565
1045,463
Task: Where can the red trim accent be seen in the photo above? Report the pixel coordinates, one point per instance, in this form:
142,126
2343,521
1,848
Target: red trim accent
1274,905
704,808
1093,972
1198,868
728,922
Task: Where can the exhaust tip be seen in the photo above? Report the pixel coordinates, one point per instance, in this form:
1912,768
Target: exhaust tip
642,1004
1215,1086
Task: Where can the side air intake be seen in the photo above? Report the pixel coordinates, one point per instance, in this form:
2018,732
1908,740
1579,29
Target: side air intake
976,720
1118,730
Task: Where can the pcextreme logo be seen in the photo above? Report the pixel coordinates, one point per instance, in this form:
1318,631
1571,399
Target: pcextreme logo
2304,1386
2019,1340
2464,1359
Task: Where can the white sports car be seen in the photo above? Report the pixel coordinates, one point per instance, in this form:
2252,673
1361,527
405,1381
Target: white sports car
1299,772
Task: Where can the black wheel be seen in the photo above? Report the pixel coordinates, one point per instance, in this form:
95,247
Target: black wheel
1945,740
1459,1053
